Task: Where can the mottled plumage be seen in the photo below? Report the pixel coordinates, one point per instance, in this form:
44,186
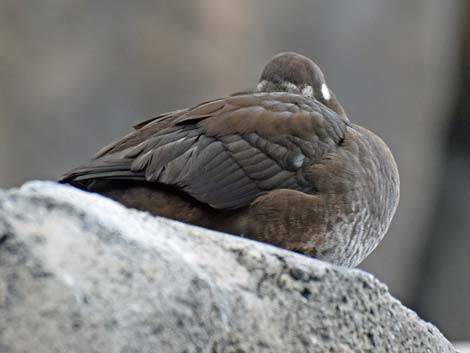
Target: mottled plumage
281,164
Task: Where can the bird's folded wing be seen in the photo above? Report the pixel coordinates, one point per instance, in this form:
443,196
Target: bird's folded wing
225,152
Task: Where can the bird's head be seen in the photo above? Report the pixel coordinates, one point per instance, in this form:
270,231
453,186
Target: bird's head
295,73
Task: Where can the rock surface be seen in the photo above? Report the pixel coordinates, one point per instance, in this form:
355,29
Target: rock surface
80,273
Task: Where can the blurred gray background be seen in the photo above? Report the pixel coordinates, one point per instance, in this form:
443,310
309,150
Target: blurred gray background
75,75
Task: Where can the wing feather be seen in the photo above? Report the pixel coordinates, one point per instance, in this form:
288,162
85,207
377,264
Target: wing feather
226,152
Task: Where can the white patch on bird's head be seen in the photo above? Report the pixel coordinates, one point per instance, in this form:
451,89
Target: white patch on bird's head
260,87
282,86
325,91
307,91
290,87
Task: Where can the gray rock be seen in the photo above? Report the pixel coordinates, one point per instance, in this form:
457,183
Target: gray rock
81,273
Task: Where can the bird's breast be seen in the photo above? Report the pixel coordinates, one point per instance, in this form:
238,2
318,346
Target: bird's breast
359,184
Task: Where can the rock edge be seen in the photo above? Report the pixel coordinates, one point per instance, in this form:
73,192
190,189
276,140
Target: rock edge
79,272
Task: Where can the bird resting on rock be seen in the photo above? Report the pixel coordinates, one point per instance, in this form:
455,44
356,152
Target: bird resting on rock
281,164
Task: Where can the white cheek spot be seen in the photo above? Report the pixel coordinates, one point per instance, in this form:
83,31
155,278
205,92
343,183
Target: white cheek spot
307,91
325,92
290,87
261,86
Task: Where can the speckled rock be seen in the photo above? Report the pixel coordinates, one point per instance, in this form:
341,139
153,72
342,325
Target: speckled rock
81,273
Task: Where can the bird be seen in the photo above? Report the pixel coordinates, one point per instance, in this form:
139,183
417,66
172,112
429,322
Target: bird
280,163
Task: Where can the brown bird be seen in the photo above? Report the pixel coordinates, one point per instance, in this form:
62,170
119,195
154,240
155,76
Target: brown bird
281,164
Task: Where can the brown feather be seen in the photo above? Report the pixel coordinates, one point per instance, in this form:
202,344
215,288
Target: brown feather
274,165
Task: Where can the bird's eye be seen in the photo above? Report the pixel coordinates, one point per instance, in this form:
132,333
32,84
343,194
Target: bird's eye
325,92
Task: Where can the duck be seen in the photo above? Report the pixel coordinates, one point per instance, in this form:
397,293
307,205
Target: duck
280,164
